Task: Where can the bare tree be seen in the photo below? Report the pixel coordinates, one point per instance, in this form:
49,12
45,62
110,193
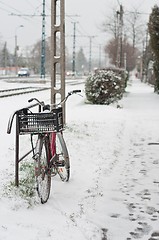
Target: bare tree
35,56
135,28
110,25
130,53
116,27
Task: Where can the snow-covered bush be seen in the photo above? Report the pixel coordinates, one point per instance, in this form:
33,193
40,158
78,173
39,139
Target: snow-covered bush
105,87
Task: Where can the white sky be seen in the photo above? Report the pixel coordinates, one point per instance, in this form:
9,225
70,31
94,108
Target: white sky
90,13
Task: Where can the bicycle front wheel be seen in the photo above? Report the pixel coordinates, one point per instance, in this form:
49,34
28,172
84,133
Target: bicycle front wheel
62,163
42,171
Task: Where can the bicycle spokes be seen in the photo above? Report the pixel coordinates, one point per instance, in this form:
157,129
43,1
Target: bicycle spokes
42,170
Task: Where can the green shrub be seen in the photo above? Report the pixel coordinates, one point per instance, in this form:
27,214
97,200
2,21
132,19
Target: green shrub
105,87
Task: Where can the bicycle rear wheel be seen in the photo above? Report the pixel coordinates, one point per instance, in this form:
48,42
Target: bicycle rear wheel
42,171
62,162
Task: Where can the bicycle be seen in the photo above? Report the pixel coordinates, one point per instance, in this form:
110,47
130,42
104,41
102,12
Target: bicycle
50,153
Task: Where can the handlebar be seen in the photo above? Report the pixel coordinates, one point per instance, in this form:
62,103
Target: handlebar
74,91
56,104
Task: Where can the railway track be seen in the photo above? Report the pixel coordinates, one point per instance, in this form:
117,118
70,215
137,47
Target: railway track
22,90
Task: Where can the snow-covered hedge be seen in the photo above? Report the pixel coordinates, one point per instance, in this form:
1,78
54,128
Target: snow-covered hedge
105,86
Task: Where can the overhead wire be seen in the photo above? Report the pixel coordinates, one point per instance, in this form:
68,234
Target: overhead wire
29,17
30,3
9,6
84,34
118,2
5,10
9,11
15,12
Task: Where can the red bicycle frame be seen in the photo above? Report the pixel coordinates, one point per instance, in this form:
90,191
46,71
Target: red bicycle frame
53,143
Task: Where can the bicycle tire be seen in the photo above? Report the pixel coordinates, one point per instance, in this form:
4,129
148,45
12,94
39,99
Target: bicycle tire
42,171
63,162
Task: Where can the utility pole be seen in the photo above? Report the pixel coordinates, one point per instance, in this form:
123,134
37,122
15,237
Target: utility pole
120,37
99,65
125,61
43,43
5,56
90,53
74,49
16,48
58,57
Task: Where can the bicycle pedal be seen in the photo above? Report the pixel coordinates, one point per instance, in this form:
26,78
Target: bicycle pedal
60,163
35,156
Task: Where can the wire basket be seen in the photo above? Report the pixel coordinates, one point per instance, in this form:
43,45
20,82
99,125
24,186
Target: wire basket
40,122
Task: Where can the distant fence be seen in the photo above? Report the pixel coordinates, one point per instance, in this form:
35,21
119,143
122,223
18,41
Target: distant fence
8,70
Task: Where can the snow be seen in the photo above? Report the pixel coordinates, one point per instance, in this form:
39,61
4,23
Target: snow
113,191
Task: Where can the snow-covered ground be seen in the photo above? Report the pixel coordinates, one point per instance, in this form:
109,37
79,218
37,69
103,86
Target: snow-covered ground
113,192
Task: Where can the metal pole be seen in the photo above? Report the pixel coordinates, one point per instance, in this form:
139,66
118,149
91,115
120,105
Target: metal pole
90,53
5,57
17,153
74,50
58,51
125,63
43,43
121,36
99,65
16,54
16,48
